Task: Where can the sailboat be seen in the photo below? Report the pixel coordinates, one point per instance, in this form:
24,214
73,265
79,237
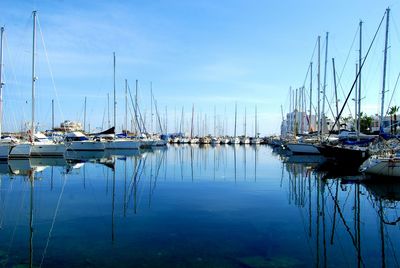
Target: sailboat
235,139
245,139
356,155
255,139
38,145
121,143
5,144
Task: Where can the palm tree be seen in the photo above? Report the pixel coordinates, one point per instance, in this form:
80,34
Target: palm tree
393,118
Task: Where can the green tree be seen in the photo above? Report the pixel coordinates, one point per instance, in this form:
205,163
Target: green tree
365,123
393,118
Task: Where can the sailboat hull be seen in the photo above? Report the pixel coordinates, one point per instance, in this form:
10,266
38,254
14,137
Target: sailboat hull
122,145
85,146
382,167
302,148
21,151
48,150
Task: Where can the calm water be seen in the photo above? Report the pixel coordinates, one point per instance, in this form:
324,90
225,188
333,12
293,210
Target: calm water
188,206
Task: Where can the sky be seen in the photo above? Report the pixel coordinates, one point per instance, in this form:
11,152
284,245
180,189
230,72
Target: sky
208,54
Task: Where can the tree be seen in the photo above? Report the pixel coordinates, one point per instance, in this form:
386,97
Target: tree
365,123
393,118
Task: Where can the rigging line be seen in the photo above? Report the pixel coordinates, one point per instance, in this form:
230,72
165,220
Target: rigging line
339,83
14,76
392,248
16,224
134,108
52,223
342,218
348,54
50,70
394,91
358,73
140,194
312,57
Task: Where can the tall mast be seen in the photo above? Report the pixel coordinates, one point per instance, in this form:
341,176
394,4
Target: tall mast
108,110
255,122
384,66
215,123
309,121
191,129
126,107
151,107
319,84
356,102
115,97
359,83
84,116
324,89
1,77
335,85
33,77
245,119
52,116
234,132
136,105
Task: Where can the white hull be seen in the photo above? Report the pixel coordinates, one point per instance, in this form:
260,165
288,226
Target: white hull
254,141
46,150
85,146
122,144
235,141
385,167
22,150
159,143
245,141
302,148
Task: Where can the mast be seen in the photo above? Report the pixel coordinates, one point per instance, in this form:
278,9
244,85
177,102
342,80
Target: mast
335,85
245,119
115,97
191,129
324,89
1,76
136,105
384,67
84,116
319,84
255,123
310,121
108,110
234,132
215,118
356,103
151,107
126,107
359,84
52,116
33,77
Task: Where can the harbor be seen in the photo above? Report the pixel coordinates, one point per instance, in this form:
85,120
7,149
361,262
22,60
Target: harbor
199,134
189,205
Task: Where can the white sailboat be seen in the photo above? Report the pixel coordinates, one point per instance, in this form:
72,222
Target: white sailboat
38,146
255,139
244,139
5,144
77,141
121,143
386,165
235,139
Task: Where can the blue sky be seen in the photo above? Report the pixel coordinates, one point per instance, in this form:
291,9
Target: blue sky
207,53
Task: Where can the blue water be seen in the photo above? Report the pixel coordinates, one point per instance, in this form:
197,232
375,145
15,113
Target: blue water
190,206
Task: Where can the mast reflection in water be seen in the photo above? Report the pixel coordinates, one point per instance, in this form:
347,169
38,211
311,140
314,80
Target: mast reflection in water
193,206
